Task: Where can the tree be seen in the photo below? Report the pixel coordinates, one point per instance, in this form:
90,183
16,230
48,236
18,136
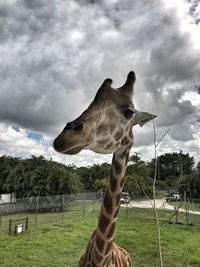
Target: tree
138,181
191,184
37,176
138,166
172,165
89,175
101,184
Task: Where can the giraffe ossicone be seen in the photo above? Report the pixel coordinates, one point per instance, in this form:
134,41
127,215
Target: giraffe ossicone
106,127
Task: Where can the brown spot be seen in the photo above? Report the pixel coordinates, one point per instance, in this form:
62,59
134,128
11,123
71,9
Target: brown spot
102,142
89,257
127,157
131,134
129,146
127,127
123,154
100,243
113,258
124,263
118,134
116,212
110,114
108,202
118,198
116,145
108,248
96,116
122,181
97,256
109,145
124,141
102,130
94,264
106,261
103,223
111,231
117,167
129,261
113,183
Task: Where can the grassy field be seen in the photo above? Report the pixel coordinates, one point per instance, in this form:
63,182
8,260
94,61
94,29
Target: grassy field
50,246
195,206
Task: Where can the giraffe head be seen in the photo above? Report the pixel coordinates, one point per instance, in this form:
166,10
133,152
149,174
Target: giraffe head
106,125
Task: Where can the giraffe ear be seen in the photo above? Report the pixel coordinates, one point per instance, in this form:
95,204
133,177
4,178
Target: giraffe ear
142,117
106,85
128,86
108,81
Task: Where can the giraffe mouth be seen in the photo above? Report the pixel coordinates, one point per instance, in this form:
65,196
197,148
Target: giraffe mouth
74,150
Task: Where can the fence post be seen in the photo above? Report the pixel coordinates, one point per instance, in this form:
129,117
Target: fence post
10,230
63,204
26,227
188,211
176,215
36,211
186,208
0,220
126,209
83,204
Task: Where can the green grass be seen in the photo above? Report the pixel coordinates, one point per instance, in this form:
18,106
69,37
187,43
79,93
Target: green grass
195,206
61,247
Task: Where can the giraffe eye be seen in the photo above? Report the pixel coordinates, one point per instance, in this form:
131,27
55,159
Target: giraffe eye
128,113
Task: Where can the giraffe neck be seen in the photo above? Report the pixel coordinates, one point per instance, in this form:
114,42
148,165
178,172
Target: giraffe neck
103,238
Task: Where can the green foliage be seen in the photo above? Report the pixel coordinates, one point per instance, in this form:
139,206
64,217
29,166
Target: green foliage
37,176
138,166
137,181
191,184
101,184
90,174
172,165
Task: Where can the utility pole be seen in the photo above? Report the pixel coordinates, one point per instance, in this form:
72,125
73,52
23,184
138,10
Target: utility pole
181,163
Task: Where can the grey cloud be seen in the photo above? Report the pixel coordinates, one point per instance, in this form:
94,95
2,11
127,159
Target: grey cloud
54,55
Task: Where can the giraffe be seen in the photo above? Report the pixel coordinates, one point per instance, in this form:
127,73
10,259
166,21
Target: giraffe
106,127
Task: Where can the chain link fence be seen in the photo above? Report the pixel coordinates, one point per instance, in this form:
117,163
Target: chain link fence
186,212
60,209
48,210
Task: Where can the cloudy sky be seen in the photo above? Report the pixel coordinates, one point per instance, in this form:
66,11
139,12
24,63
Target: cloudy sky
54,55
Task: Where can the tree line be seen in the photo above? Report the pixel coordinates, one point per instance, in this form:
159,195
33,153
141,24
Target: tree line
36,176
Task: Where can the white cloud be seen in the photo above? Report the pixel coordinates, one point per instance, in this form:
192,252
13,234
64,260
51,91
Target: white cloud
54,56
16,142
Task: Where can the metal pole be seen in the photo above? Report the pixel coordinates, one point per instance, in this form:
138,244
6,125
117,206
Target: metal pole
63,204
176,214
0,220
10,226
185,203
126,209
83,204
36,211
181,163
26,228
188,211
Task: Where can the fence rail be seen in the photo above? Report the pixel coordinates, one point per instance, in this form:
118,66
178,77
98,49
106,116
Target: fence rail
58,210
48,210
